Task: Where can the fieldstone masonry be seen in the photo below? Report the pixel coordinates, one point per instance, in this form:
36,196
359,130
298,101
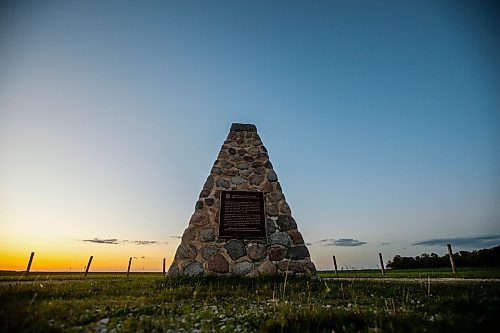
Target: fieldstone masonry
242,164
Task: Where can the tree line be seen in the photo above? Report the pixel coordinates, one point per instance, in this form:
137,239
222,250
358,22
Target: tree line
485,257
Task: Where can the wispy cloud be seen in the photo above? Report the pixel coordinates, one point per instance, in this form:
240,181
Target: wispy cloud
115,241
102,241
337,242
140,242
347,242
470,242
385,243
173,236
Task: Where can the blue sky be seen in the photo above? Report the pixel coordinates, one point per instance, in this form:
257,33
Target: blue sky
382,119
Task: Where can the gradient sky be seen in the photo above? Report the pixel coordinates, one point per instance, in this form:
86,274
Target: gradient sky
382,121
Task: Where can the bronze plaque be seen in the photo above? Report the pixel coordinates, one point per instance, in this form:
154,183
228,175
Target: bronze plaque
242,215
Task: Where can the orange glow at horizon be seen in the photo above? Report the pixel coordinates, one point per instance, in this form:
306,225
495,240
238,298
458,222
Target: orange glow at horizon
65,263
71,256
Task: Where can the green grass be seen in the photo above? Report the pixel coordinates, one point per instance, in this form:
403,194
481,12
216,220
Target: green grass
148,302
63,276
465,273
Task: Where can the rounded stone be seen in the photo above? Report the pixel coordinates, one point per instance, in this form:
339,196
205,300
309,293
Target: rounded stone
296,237
302,266
198,205
253,274
192,269
286,222
209,201
289,266
275,196
218,264
235,248
256,164
252,151
242,268
173,271
272,176
231,172
248,158
242,165
204,193
188,235
242,152
207,235
270,226
297,253
259,170
272,210
232,151
216,171
199,219
268,164
284,208
208,251
310,266
276,253
209,183
267,268
256,252
266,187
244,173
280,238
226,164
238,180
186,251
221,182
222,155
256,179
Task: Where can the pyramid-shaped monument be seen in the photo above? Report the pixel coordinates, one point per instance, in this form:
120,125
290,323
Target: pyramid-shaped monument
242,224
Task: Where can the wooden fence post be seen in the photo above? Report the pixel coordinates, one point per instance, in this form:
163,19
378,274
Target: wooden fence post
335,266
29,262
450,254
164,267
88,267
128,269
381,263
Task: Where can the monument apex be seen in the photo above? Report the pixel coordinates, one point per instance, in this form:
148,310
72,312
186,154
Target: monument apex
242,223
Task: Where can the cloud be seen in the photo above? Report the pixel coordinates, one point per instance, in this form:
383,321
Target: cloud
337,242
102,241
116,241
385,243
178,237
141,242
469,242
347,242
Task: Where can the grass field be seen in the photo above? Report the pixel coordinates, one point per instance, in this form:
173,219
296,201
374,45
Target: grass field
49,302
465,273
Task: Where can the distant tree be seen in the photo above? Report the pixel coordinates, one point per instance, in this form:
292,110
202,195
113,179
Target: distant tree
484,257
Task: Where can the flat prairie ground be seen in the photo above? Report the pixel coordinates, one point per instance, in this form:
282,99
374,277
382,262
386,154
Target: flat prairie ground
363,301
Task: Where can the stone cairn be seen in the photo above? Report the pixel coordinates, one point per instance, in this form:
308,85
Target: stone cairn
242,164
